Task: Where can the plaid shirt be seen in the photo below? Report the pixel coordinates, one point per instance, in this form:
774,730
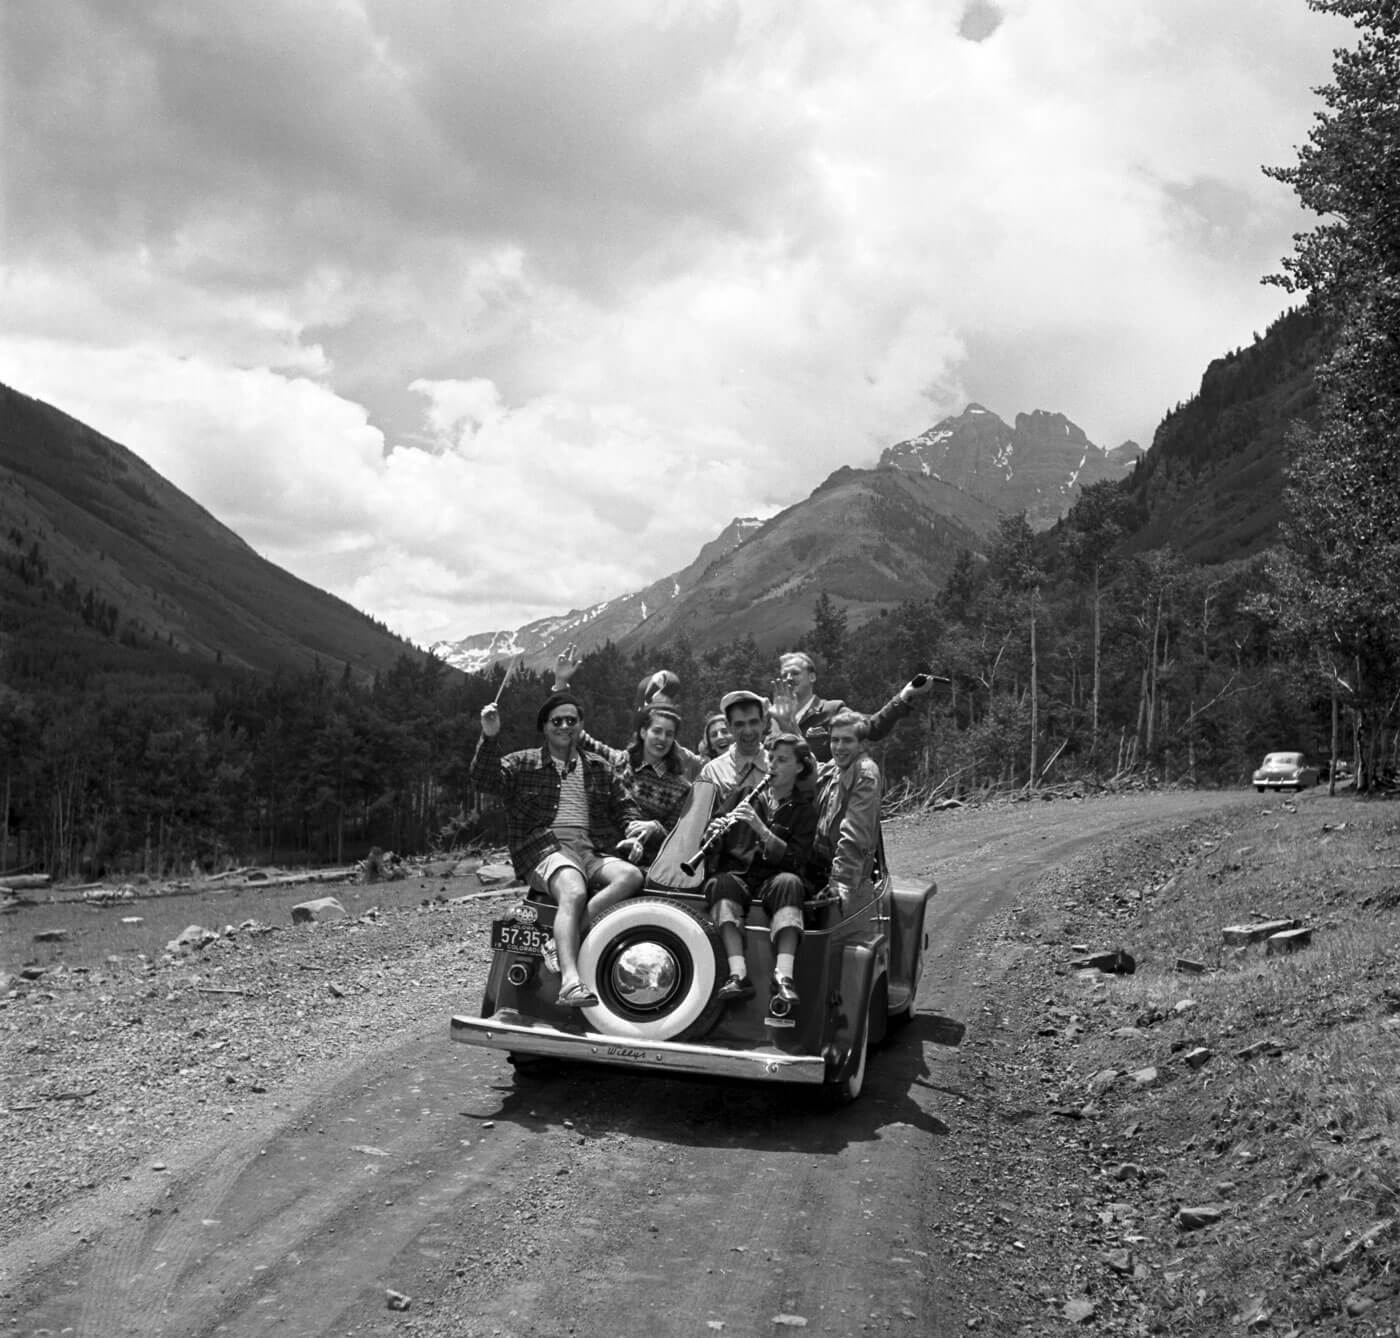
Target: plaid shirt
660,794
527,784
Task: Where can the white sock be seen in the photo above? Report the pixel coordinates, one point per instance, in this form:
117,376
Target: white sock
739,967
786,963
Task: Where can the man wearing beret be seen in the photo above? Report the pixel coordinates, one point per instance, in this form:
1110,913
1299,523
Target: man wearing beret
566,810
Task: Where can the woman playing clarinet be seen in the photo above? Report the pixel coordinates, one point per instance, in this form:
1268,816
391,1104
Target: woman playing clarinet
766,843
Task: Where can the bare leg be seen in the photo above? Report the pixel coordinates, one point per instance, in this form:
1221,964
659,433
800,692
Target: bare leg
570,894
625,881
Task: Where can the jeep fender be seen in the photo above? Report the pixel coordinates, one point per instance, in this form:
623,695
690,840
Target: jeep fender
855,986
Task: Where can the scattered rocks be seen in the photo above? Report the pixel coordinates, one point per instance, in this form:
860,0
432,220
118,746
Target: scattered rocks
51,936
495,875
193,938
1186,966
1117,963
1119,1261
1198,1057
1290,940
396,1300
1241,936
322,908
1257,1048
1078,1310
1194,1219
1102,1081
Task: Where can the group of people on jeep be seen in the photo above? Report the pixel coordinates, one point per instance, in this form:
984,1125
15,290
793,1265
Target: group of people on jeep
795,797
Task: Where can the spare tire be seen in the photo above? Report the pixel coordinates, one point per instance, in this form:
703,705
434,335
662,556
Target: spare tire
654,965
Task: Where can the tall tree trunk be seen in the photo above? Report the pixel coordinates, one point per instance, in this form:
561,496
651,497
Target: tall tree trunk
1332,768
1094,713
1035,701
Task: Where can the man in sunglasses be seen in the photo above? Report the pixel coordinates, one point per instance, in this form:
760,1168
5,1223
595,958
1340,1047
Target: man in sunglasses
566,810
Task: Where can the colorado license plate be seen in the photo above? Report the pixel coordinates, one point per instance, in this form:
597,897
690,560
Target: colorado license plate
512,936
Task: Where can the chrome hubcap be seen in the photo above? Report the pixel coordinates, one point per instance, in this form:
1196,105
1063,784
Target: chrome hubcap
645,974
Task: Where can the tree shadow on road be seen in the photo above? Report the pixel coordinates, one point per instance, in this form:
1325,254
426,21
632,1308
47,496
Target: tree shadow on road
597,1100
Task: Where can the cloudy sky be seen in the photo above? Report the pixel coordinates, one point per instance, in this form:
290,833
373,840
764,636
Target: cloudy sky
473,312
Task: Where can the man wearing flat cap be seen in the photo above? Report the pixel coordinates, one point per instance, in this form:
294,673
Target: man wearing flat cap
744,764
566,810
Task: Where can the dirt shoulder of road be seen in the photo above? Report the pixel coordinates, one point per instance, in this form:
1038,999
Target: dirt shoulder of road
1208,1144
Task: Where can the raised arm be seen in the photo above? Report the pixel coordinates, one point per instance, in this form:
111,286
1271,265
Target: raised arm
487,774
893,711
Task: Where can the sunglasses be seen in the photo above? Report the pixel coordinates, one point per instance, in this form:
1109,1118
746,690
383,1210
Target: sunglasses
564,721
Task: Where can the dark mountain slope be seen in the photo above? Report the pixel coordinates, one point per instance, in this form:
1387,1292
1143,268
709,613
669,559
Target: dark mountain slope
88,519
868,538
1212,484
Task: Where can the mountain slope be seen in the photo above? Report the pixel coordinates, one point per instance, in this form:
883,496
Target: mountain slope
1212,485
86,517
540,641
868,538
1039,466
977,467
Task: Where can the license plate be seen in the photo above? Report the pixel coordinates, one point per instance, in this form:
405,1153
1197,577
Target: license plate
512,936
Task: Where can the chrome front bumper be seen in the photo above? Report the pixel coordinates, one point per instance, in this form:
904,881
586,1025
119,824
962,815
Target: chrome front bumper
507,1030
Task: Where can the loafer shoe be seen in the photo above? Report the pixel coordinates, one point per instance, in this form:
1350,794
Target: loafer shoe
784,989
736,987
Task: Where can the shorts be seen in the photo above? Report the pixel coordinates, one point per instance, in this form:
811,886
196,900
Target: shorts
596,869
781,896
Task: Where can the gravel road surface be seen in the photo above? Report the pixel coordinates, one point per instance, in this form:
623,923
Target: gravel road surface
348,1171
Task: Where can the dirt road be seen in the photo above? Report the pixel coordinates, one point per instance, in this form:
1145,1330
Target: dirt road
597,1203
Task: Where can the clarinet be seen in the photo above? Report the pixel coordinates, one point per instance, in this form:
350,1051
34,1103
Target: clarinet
718,828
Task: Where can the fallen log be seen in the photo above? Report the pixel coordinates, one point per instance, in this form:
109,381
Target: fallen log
20,882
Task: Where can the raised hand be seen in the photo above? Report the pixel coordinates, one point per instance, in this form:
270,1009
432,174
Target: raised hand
490,720
565,663
784,708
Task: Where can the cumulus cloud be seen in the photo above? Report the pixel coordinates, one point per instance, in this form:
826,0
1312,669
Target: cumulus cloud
471,314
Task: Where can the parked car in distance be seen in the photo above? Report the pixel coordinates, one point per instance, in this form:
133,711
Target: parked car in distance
1285,771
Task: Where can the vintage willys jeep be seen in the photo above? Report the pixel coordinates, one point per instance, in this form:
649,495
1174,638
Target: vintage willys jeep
655,963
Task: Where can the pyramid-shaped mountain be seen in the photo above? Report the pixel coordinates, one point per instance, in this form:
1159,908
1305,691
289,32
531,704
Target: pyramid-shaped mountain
1039,466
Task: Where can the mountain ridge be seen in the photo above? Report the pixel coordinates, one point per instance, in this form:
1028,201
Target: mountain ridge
87,514
971,454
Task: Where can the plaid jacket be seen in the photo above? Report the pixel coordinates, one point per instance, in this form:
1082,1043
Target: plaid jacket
660,796
527,784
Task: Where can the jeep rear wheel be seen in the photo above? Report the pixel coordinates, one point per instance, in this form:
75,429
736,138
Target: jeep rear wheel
654,965
852,1081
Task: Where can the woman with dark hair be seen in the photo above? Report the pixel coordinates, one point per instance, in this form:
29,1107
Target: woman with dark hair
653,770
